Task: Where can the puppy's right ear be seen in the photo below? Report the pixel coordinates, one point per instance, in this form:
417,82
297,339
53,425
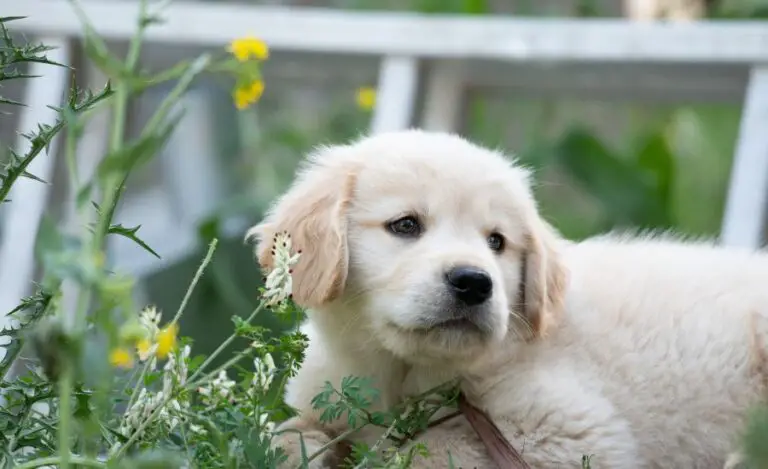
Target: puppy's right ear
313,212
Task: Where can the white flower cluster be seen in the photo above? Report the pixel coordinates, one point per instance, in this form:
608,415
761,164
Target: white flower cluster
218,390
175,374
150,319
176,370
264,373
145,405
279,283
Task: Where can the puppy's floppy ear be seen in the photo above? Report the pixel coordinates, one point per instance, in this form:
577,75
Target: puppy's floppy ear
313,212
545,277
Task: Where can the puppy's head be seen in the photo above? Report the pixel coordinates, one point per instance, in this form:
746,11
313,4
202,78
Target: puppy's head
432,244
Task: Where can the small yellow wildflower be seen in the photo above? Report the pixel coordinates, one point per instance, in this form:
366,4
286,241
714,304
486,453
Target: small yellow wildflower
121,357
366,98
247,47
166,340
248,94
144,349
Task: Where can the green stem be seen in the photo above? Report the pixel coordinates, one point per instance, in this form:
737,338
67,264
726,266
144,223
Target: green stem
79,460
139,382
184,301
223,345
65,415
111,190
122,91
200,64
69,156
232,361
196,278
331,443
113,187
375,447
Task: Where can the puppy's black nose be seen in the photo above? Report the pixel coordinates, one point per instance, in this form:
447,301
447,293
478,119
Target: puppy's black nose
470,285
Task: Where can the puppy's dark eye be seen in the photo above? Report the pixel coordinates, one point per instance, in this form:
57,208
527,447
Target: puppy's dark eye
496,242
407,226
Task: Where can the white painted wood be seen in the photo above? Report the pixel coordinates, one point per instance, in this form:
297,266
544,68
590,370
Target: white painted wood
747,203
396,95
658,82
396,33
21,217
444,96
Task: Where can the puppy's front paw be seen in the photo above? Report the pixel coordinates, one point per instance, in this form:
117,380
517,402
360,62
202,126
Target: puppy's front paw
296,432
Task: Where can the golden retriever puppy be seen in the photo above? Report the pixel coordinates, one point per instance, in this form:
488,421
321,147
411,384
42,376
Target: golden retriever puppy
424,258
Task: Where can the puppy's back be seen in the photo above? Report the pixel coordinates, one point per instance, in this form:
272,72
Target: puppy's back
674,332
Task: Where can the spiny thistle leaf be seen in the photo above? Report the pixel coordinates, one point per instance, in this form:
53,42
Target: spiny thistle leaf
10,101
33,177
17,165
8,19
130,233
33,308
12,54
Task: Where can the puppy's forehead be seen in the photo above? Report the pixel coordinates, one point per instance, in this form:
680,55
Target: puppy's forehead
399,160
437,172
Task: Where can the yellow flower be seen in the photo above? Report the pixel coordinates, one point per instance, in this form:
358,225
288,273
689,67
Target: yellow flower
166,340
248,94
144,349
366,98
249,46
121,357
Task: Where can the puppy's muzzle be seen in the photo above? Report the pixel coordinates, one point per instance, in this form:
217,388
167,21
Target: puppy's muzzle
470,285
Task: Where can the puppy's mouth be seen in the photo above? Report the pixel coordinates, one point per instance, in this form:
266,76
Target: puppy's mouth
455,324
460,324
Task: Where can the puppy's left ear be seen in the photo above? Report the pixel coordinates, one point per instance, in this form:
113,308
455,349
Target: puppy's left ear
545,277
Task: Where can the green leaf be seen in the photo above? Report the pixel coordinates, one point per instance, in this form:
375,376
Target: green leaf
83,195
130,233
474,7
128,157
94,369
49,239
152,459
613,181
655,158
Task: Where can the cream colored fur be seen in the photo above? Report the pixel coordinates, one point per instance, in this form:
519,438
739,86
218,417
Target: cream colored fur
640,351
674,10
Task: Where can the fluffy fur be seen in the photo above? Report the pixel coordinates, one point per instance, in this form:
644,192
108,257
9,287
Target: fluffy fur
673,10
642,352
